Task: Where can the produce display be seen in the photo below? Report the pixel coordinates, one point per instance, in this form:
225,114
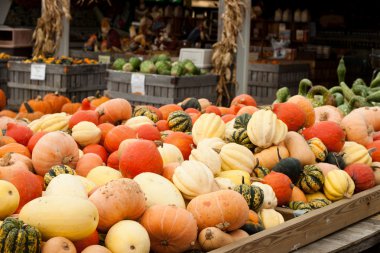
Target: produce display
105,175
4,56
158,64
63,60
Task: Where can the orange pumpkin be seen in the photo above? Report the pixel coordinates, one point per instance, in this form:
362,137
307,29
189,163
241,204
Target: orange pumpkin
99,99
184,142
96,149
167,109
8,113
116,135
247,109
83,115
281,185
215,209
92,239
291,114
56,101
162,125
306,106
86,105
297,195
96,249
363,176
114,111
104,128
113,160
213,109
37,104
3,99
4,140
330,133
27,184
114,202
244,99
171,229
228,117
226,110
71,107
148,132
375,150
34,139
168,170
29,115
19,133
54,148
361,123
7,162
140,156
87,162
14,148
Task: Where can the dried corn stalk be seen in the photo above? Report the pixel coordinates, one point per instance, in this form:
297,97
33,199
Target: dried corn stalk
82,2
49,27
224,51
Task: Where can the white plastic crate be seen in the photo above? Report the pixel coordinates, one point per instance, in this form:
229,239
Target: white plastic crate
201,57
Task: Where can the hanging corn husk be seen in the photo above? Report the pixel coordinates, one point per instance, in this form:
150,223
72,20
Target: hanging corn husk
224,51
49,27
88,2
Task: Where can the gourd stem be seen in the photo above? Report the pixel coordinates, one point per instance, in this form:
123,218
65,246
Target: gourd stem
282,94
28,108
278,154
336,89
304,85
328,99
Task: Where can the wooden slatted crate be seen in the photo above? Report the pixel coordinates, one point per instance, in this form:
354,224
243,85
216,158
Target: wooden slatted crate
162,89
4,73
299,231
265,79
70,80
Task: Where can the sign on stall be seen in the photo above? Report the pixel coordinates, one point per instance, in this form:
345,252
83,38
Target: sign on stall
138,83
38,71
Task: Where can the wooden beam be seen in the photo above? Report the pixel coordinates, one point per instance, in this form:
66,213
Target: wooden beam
64,42
242,57
5,5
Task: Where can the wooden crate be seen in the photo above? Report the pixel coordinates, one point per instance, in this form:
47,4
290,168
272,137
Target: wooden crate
4,73
77,53
162,89
265,79
305,229
69,80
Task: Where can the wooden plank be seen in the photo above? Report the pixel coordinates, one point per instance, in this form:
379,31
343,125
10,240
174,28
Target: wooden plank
311,226
35,87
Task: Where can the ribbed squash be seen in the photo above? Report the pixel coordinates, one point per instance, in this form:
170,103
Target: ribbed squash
318,203
180,121
355,153
260,171
145,111
270,199
265,130
215,143
338,184
208,125
67,216
207,156
289,166
193,178
242,120
170,153
299,205
237,157
57,170
240,136
18,237
311,179
252,194
271,218
319,149
138,121
86,133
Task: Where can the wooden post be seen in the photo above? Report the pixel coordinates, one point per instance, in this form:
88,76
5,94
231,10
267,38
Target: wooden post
64,42
5,5
242,57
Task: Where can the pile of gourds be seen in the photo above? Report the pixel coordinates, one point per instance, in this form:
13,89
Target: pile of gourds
103,176
341,96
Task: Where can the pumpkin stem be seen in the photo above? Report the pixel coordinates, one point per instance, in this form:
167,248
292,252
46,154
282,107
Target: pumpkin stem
371,150
278,154
56,93
323,116
6,159
67,159
97,94
38,98
158,143
28,108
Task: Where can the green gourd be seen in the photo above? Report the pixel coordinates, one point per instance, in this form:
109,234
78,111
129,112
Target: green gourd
341,71
254,195
57,170
327,97
145,111
282,95
18,237
374,97
347,92
304,86
191,103
180,121
311,179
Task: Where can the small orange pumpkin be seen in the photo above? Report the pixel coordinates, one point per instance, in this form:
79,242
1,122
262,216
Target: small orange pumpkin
56,101
171,229
215,210
99,99
3,99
